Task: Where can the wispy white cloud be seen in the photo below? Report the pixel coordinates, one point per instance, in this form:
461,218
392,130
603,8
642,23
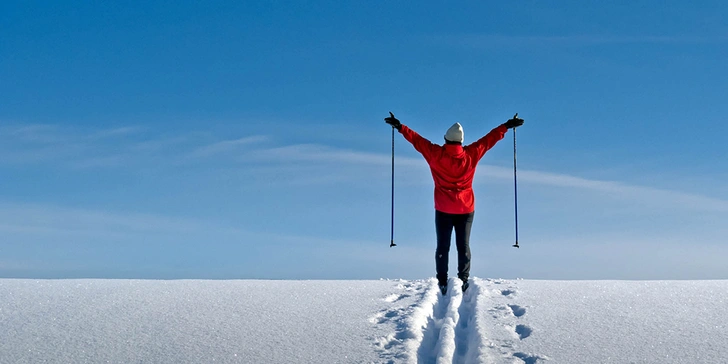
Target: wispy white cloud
64,221
37,143
91,162
33,133
116,132
318,153
312,153
59,224
54,134
619,189
226,146
127,146
160,144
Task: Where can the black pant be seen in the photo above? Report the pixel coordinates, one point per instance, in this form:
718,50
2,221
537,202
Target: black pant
444,225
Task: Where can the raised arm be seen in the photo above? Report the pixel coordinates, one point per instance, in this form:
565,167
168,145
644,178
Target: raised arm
484,144
494,136
422,145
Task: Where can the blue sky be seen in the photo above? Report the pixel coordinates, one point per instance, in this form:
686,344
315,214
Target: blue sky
245,139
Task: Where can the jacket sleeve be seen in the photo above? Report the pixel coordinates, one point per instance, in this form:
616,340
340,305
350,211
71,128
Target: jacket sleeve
488,141
422,145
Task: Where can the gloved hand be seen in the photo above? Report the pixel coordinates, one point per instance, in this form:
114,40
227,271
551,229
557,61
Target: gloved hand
513,123
391,120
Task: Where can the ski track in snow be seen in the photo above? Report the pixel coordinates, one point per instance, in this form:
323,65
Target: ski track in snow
467,334
439,341
483,325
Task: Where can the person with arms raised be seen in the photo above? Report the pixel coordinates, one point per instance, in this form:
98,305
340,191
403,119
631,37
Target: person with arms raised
453,169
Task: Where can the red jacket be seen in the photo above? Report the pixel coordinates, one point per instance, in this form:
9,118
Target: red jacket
453,168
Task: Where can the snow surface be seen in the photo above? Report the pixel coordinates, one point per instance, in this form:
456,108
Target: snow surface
248,321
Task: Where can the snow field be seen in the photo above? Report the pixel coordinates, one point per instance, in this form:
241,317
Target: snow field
189,321
399,321
626,321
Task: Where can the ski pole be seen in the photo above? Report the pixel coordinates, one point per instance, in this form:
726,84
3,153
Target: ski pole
515,185
391,244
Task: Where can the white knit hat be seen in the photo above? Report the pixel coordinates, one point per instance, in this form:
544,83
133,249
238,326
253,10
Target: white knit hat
455,133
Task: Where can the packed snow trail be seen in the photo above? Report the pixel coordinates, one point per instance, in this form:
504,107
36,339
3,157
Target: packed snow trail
483,325
467,334
438,344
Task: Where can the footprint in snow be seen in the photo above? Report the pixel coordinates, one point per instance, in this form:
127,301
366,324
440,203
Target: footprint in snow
517,310
529,358
507,292
385,316
523,331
